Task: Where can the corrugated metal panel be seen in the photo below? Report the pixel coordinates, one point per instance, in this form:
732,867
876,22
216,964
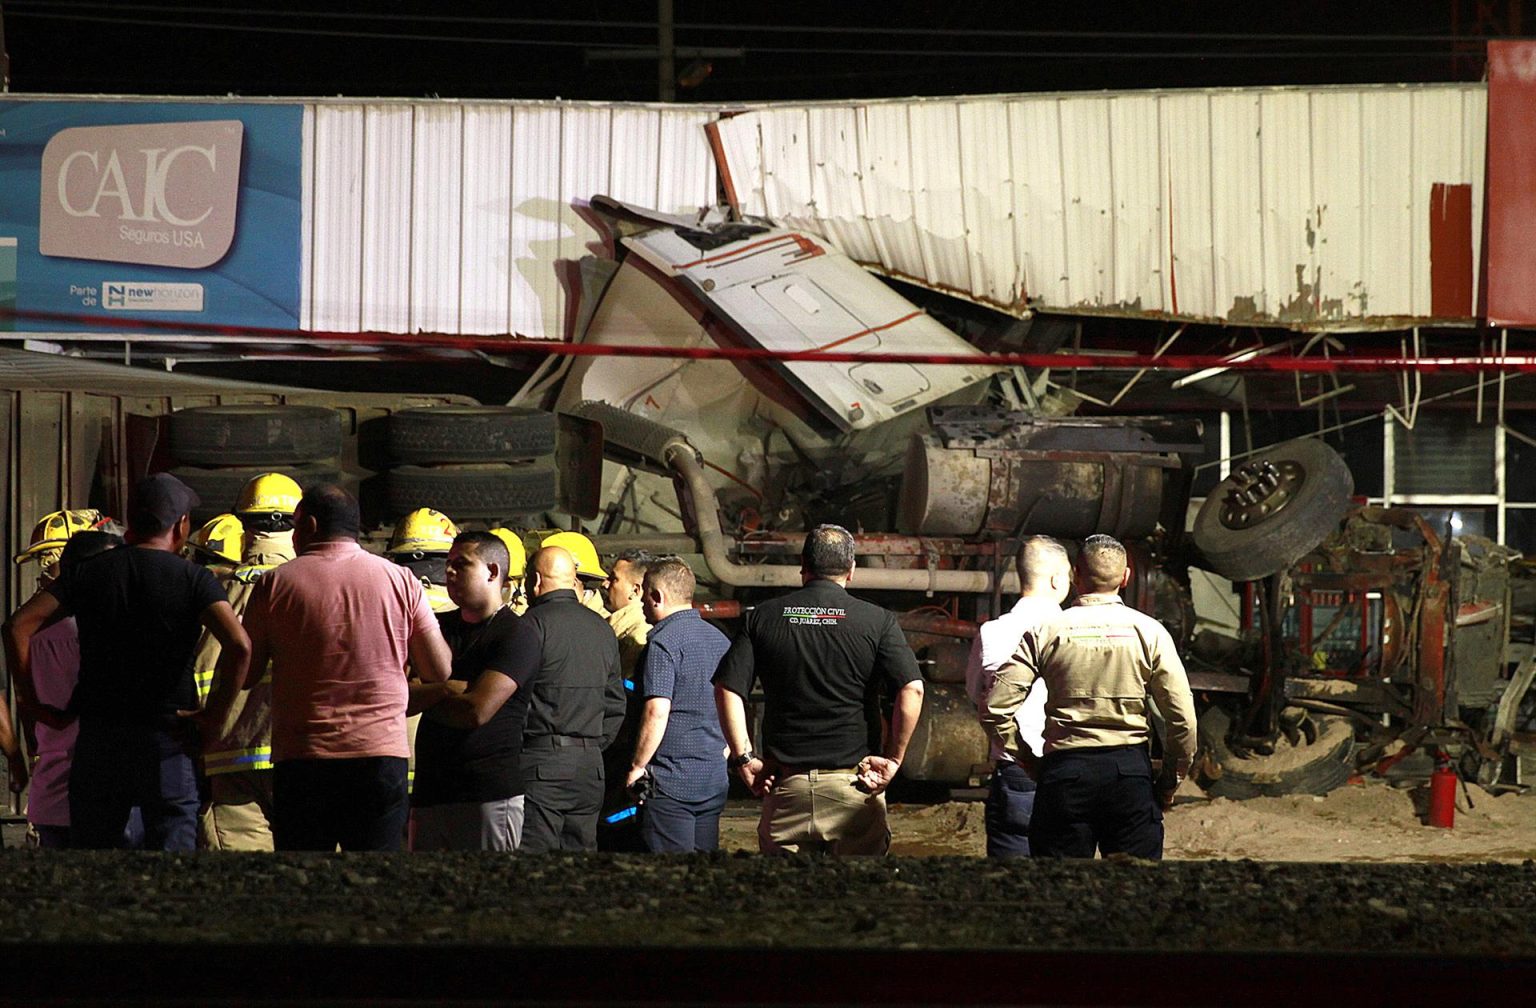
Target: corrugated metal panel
385,235
537,298
486,266
1308,207
467,217
685,164
332,288
1039,199
436,218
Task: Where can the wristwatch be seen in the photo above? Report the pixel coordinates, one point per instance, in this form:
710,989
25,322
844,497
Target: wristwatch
737,762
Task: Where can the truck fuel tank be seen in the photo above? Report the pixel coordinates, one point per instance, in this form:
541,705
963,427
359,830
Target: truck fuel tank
984,471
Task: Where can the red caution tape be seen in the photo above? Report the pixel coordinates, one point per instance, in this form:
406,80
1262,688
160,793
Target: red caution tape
1507,363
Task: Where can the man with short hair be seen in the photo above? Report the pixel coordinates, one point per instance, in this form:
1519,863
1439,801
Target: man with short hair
468,792
679,746
1100,660
138,609
819,654
575,704
339,626
618,829
1045,578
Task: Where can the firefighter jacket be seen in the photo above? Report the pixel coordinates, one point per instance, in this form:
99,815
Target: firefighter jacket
245,740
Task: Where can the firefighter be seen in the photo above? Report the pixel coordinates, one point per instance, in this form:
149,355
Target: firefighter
517,567
219,544
589,571
53,530
237,752
421,542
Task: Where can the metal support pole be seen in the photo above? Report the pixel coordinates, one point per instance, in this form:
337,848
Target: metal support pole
666,53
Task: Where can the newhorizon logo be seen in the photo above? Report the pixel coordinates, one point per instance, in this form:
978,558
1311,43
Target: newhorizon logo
158,194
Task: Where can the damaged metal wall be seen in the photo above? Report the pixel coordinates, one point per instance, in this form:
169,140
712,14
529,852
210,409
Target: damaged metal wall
453,217
1325,207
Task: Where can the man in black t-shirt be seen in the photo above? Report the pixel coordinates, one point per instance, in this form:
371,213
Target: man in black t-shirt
139,610
819,654
468,793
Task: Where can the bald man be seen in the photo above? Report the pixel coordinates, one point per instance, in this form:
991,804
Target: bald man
568,667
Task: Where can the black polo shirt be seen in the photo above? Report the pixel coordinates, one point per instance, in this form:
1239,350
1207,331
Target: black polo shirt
572,681
819,654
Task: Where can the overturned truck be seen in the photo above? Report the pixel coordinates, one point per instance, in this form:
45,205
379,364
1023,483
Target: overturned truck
1367,635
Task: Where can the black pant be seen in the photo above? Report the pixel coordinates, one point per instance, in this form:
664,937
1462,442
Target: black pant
1009,807
120,767
357,804
562,792
1100,798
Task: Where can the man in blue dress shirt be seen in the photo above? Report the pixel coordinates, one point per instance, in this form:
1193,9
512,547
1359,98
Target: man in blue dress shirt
680,743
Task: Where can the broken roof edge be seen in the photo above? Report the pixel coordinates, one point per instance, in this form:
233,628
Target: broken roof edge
728,109
733,109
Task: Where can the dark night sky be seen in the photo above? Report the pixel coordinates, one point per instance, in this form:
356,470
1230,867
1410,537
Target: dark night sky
788,50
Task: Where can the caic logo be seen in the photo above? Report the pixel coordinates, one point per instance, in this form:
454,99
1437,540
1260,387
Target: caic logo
161,194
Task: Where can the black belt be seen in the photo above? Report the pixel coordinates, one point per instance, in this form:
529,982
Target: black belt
561,742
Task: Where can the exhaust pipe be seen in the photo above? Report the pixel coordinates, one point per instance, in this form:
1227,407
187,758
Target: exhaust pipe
634,440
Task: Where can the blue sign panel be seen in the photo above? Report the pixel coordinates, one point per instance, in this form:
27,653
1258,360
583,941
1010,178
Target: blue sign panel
182,213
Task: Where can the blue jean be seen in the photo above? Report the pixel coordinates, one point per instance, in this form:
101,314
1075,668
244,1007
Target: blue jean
1009,807
670,825
357,804
118,766
1100,798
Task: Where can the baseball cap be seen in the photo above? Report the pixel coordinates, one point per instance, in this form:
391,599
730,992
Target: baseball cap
157,502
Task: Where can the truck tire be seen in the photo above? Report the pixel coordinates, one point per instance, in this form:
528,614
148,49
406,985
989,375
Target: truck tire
255,435
1316,503
454,434
483,491
219,488
1309,769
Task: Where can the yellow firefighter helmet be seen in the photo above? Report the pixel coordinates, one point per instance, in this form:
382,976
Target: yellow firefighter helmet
269,493
221,539
581,548
53,530
423,531
517,553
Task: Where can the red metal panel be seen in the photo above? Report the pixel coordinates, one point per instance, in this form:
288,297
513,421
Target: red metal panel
1450,250
1511,183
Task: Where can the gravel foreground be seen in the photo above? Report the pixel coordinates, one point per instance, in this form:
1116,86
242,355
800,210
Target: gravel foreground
752,901
459,929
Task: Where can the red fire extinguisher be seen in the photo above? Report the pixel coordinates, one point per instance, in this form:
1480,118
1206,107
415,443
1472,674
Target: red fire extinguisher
1442,793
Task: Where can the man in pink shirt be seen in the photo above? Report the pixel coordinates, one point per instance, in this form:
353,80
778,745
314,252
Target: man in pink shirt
339,626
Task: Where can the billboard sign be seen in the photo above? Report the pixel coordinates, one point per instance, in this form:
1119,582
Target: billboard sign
160,211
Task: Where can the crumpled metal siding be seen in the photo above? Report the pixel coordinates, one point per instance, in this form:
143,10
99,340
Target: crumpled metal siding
1307,207
462,217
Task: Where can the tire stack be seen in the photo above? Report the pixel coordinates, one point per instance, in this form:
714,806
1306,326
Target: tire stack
471,462
218,449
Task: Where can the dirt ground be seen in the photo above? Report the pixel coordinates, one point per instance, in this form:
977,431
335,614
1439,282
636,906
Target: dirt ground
1367,822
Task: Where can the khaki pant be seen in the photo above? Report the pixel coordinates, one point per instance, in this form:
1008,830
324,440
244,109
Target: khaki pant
239,818
820,811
